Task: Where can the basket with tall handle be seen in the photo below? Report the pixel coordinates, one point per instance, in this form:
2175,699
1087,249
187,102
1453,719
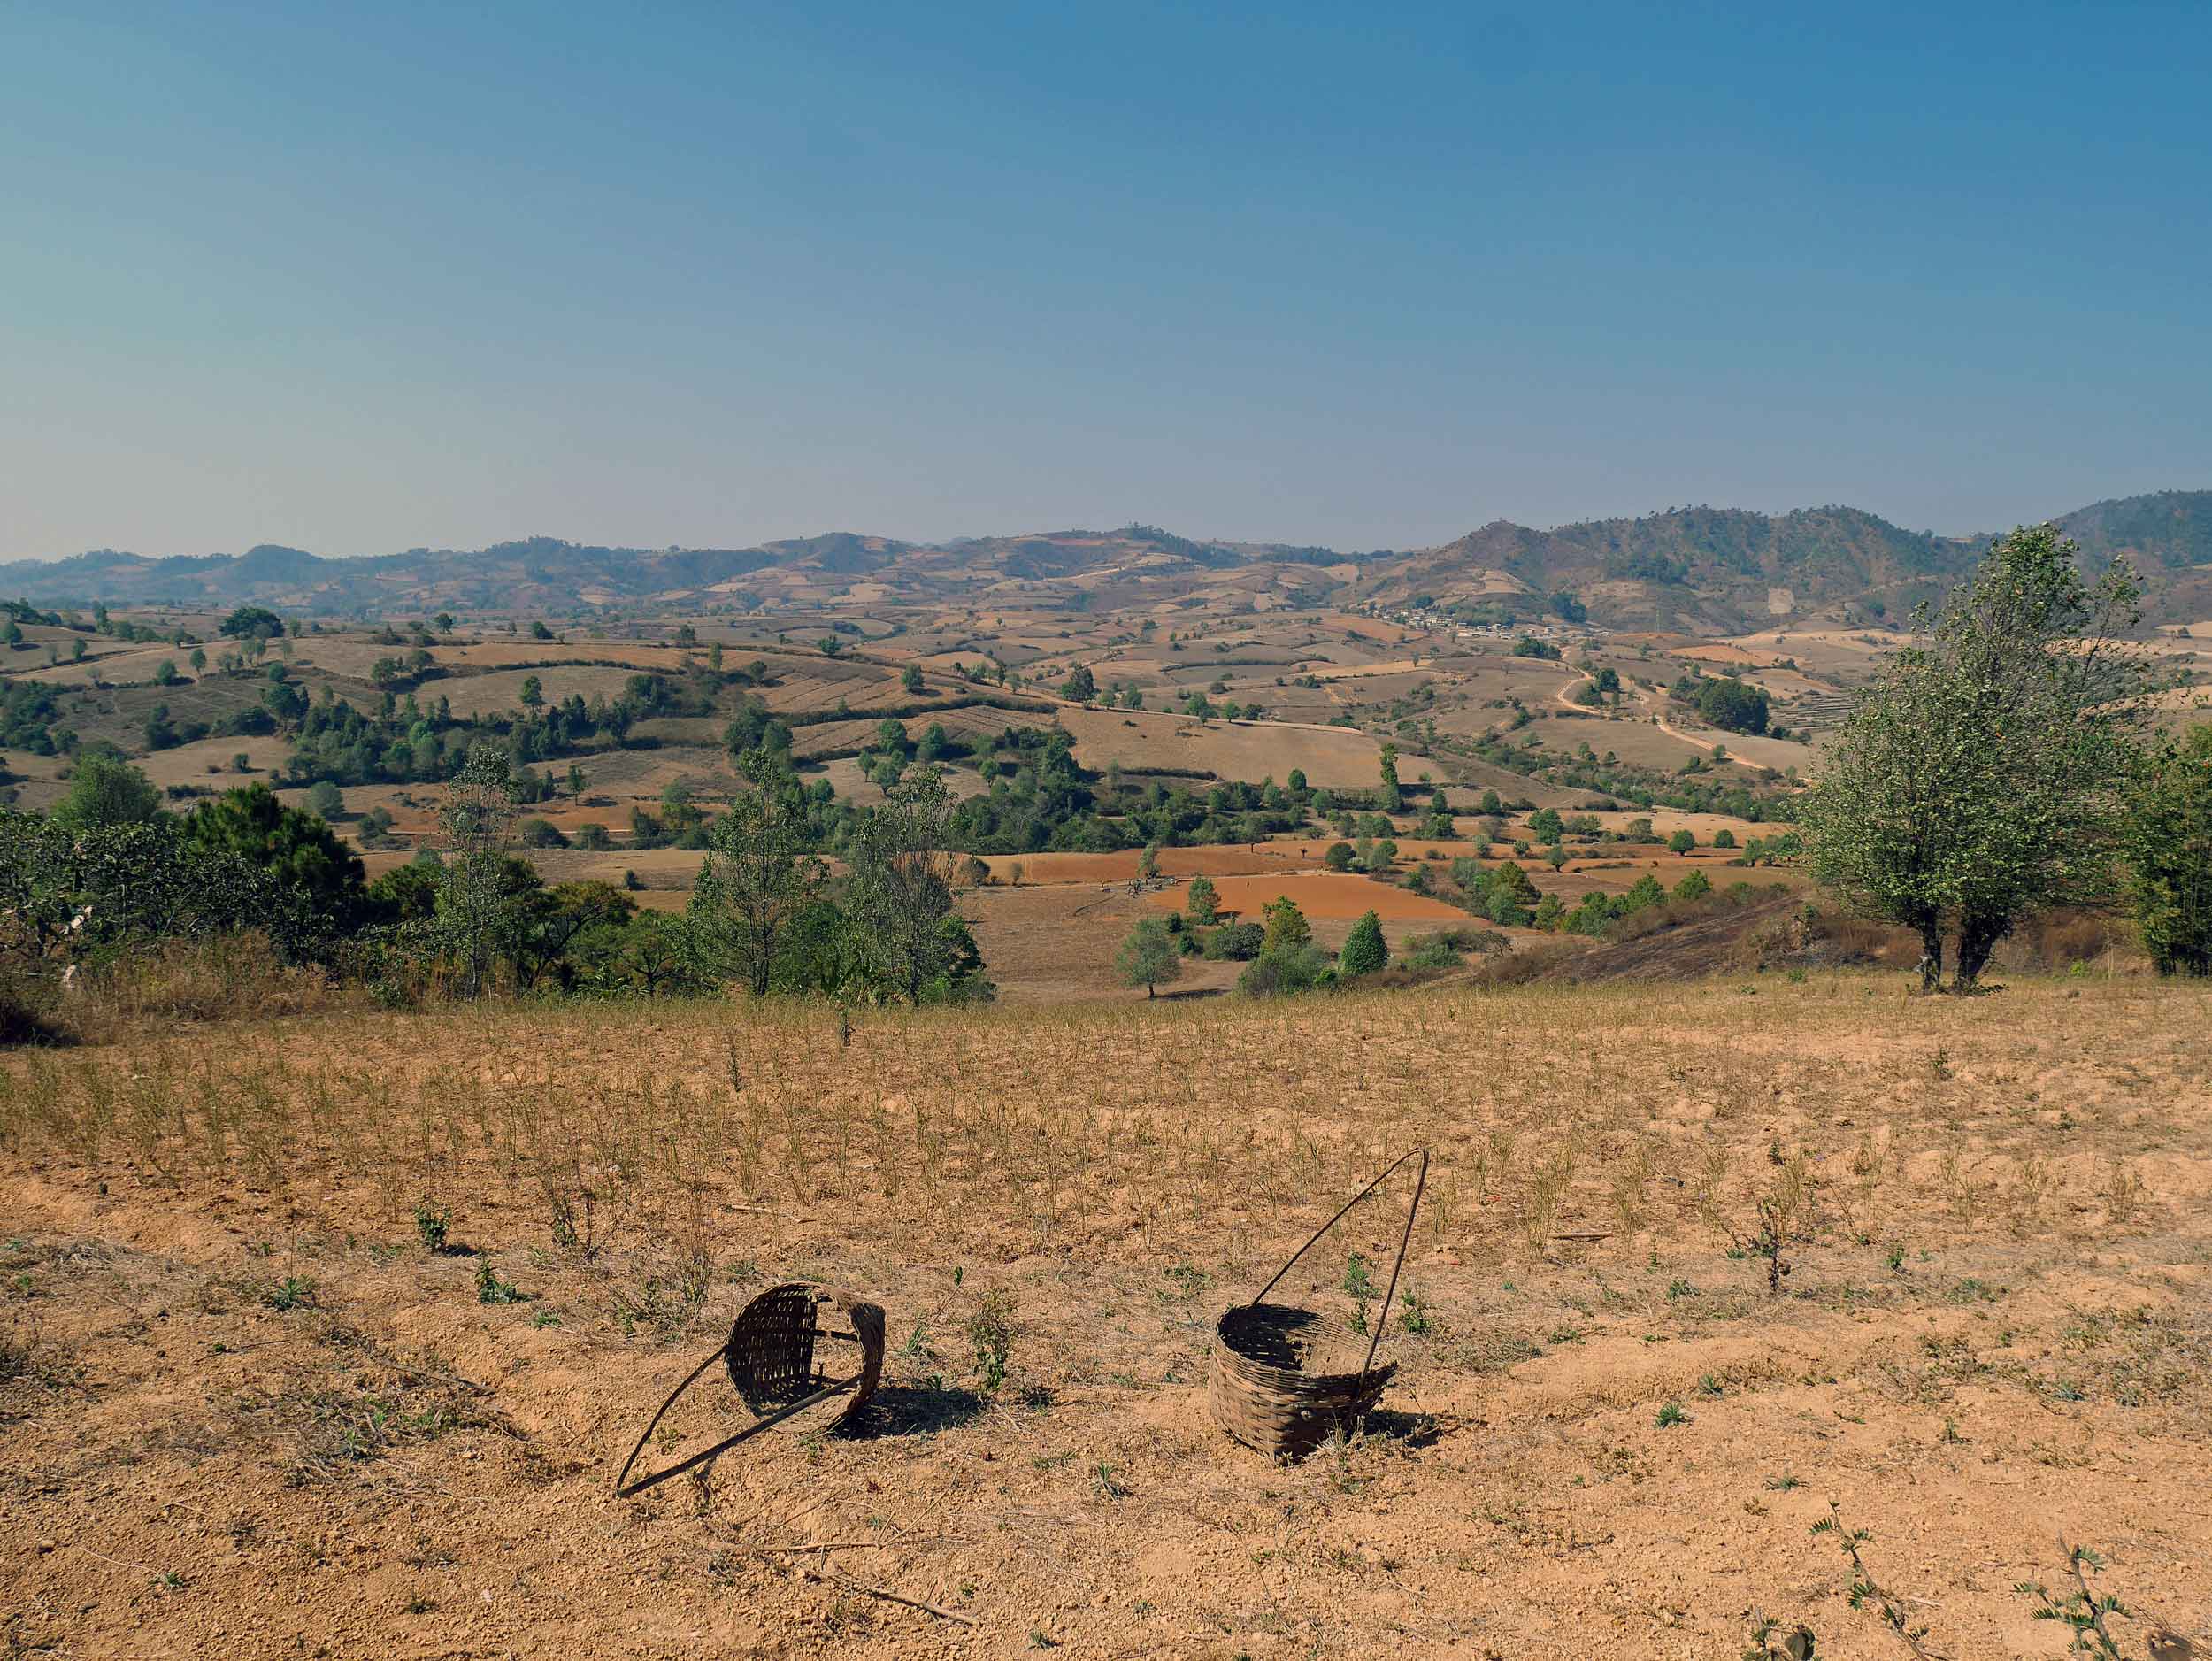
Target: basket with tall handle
1258,1389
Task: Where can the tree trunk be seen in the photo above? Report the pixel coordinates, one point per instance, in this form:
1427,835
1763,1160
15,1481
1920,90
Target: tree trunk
1931,956
1978,938
1150,990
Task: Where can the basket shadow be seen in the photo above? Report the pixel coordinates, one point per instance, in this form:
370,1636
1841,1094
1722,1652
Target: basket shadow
912,1409
1407,1430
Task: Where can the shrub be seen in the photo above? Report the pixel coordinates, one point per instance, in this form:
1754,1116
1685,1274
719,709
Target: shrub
1281,971
1233,942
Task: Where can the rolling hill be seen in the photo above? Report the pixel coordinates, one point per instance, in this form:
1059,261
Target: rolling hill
1697,569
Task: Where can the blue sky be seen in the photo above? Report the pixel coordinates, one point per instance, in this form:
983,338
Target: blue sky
360,279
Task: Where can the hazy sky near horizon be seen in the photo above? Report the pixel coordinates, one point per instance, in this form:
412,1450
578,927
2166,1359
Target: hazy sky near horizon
358,279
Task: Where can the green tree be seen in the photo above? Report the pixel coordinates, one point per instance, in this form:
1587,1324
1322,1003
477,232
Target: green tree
1390,798
1286,925
1510,879
299,850
252,622
106,790
1696,885
533,694
901,894
1339,855
1723,838
1081,685
165,673
1982,778
538,631
1546,826
760,874
1364,950
1203,900
1148,956
1148,861
198,659
478,909
911,678
1738,705
1681,842
326,799
2168,848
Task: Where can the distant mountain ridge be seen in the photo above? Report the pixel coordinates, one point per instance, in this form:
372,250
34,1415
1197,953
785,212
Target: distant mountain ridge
1691,568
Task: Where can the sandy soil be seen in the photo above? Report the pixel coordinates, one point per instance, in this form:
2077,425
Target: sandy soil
249,1414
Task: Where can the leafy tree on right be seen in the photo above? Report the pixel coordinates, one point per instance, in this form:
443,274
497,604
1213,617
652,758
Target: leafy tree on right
1983,778
2170,854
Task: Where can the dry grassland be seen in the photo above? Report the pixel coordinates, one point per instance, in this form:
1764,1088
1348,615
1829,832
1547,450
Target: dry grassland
249,1409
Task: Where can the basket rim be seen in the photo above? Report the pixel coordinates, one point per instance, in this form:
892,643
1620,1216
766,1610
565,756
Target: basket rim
1294,1381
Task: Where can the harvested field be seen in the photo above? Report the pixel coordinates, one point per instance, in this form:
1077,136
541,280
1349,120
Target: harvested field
1141,739
500,692
1334,896
252,1411
1174,862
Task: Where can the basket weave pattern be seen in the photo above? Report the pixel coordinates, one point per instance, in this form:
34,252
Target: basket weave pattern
770,1351
1279,1409
1257,1387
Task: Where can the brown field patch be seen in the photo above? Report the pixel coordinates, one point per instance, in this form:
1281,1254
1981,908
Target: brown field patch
1141,740
1338,896
500,692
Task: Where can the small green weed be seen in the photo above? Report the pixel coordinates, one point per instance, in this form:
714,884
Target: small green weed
991,1338
491,1289
432,1223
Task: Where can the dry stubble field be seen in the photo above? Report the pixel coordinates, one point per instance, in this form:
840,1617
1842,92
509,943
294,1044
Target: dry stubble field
248,1412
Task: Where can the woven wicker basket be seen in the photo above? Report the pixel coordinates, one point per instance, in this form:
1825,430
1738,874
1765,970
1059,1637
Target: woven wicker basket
1258,1389
1260,1392
771,1360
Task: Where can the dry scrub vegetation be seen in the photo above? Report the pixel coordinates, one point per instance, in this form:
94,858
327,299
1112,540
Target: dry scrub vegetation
324,1336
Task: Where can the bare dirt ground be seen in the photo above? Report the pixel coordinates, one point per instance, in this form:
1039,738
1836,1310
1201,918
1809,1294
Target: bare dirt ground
247,1410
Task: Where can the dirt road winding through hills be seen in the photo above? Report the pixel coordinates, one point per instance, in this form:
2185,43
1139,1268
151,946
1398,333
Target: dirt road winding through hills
1659,718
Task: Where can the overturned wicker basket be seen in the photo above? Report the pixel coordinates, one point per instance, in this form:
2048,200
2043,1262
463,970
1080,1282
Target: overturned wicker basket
1258,1389
771,1360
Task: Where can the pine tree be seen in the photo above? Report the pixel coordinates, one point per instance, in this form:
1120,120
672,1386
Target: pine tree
1203,900
1364,950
